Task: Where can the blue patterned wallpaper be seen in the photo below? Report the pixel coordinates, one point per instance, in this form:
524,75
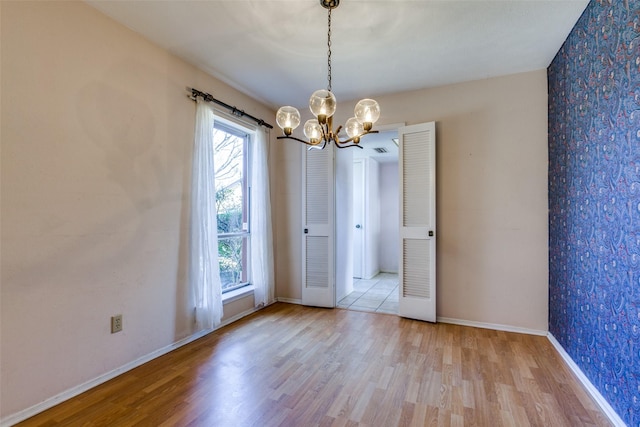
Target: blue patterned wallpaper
594,200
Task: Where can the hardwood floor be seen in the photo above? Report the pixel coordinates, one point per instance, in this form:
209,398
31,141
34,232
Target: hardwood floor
290,365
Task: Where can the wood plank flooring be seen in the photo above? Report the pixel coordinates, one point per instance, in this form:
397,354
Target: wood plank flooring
290,365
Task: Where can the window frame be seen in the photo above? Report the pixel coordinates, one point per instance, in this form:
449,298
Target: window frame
246,134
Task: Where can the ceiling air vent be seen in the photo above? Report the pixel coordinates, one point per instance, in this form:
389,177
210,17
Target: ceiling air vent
380,150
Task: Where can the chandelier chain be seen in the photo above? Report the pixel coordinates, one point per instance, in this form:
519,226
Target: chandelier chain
329,51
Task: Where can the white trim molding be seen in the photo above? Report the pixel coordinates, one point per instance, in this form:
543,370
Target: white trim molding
290,300
591,389
494,326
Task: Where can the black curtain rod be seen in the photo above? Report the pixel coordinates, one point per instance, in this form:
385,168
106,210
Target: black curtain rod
236,112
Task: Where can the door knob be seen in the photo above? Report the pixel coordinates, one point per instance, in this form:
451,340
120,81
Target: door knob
358,226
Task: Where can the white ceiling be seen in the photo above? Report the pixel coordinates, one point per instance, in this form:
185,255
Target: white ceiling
275,50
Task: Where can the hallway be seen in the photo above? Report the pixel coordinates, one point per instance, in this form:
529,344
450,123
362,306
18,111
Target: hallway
379,294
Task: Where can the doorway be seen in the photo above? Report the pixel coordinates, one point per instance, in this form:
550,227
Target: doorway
374,226
327,258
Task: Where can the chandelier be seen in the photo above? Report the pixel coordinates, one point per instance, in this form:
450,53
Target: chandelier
319,131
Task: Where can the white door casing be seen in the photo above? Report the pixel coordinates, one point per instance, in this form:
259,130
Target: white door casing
417,267
318,269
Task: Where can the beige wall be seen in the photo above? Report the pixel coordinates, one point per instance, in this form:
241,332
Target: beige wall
491,197
96,151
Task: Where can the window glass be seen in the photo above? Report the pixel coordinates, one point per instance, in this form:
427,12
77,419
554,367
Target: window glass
232,207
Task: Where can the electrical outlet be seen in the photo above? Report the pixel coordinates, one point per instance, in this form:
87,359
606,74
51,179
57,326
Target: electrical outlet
116,323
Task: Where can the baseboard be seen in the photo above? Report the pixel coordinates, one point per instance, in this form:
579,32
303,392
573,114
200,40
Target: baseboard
81,388
591,389
375,273
290,300
494,326
239,316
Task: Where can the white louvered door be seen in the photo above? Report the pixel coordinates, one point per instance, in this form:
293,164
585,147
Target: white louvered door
318,273
417,275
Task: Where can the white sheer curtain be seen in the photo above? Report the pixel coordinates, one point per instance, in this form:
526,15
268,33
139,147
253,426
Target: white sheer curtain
261,263
204,271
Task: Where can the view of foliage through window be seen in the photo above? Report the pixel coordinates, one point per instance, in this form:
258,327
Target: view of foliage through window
231,205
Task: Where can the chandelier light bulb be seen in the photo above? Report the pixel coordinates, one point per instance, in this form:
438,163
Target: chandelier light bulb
288,118
322,104
353,127
367,112
313,131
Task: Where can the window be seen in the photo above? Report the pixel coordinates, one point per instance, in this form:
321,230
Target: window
231,151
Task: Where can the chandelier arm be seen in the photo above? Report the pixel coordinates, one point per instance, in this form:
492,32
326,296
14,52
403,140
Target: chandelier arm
344,145
297,139
318,147
326,130
357,136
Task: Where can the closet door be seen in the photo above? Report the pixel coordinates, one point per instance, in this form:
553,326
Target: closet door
417,269
318,271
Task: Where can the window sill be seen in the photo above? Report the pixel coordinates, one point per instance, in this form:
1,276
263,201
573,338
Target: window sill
237,294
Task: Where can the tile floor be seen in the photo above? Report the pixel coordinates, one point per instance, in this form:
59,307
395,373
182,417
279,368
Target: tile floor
379,294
